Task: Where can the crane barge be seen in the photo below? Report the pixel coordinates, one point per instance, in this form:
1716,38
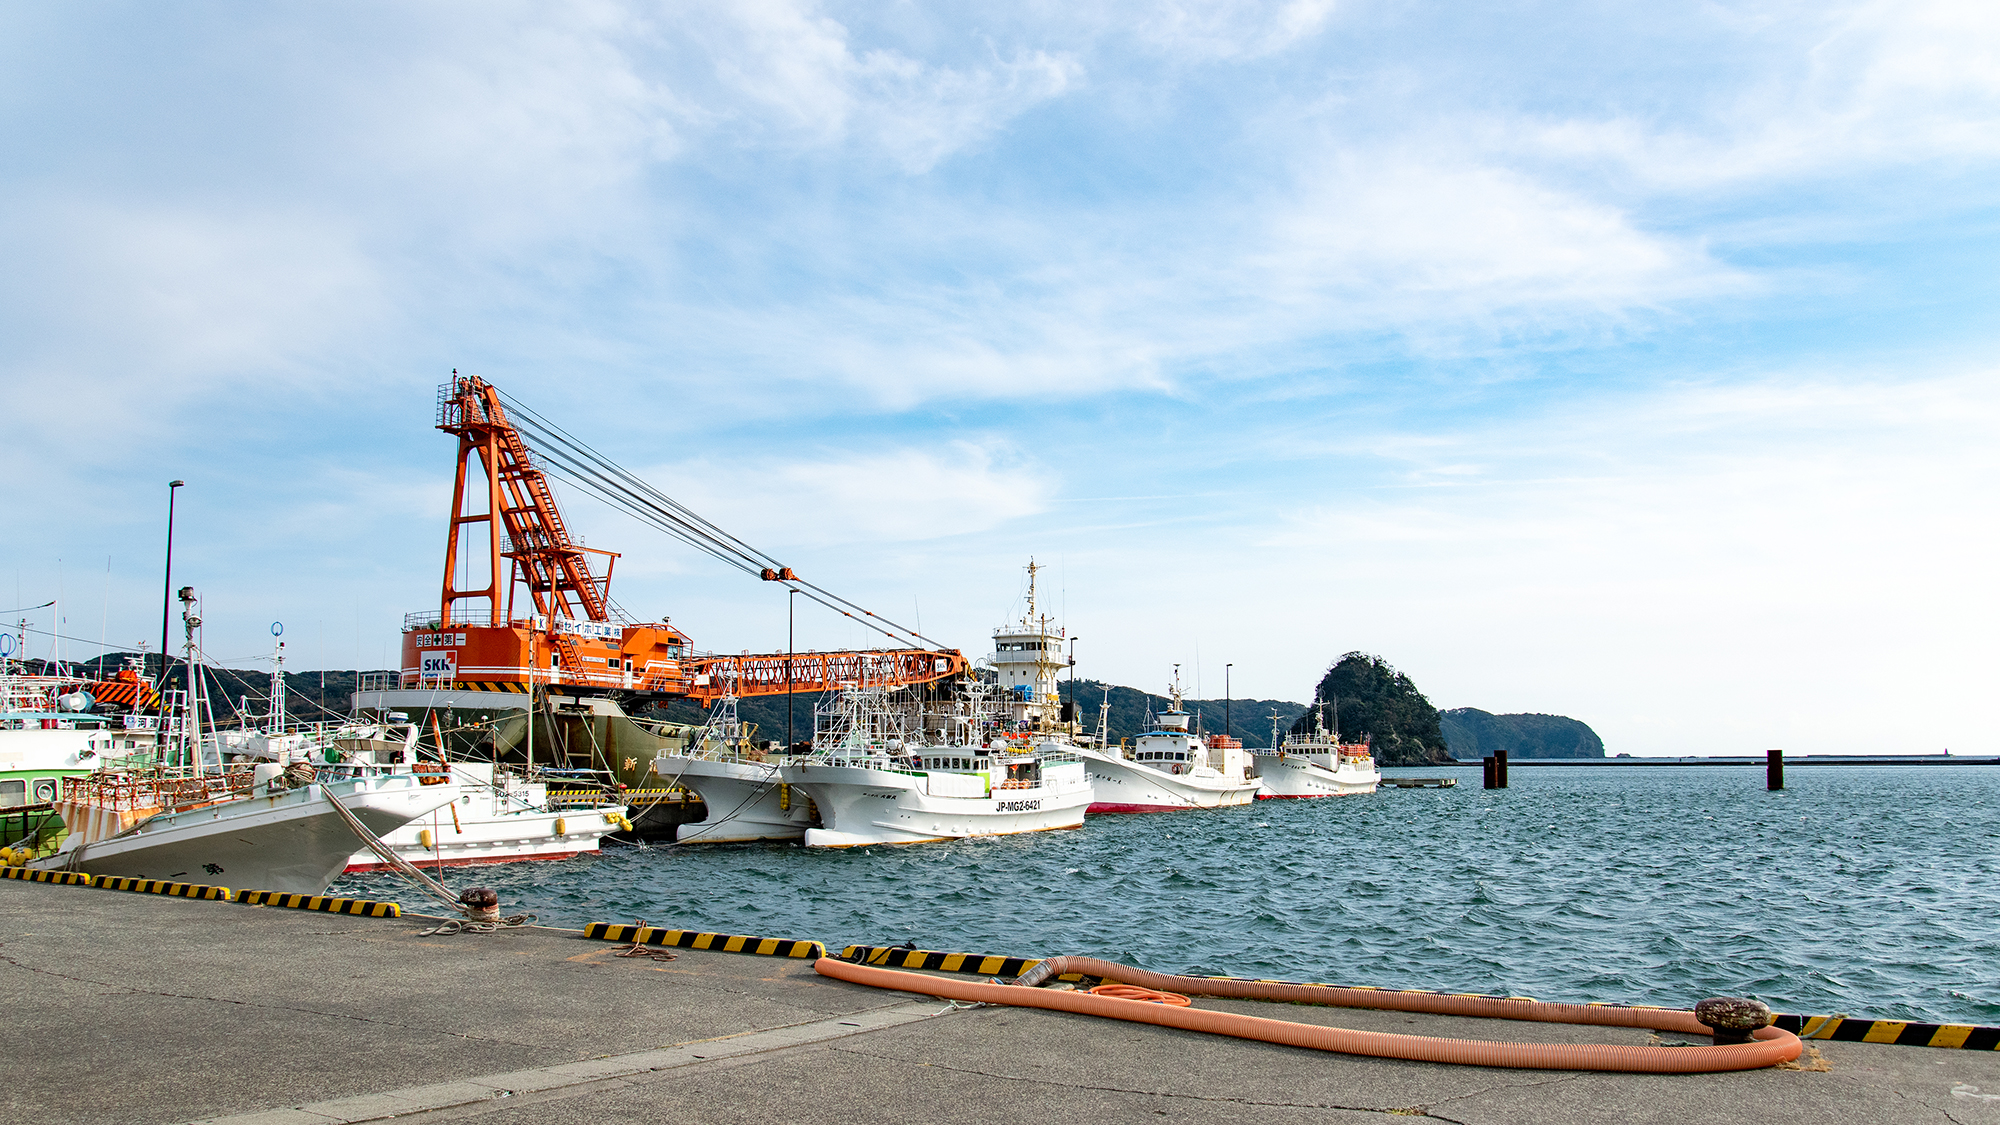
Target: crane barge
525,623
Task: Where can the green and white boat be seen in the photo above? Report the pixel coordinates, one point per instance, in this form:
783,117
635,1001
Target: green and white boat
52,727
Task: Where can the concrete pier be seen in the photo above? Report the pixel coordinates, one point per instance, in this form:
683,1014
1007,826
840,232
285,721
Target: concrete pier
134,1008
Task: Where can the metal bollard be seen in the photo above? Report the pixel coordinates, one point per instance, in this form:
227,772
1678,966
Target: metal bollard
1731,1019
482,904
1774,770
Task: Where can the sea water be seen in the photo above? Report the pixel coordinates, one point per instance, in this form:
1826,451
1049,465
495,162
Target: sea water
1872,891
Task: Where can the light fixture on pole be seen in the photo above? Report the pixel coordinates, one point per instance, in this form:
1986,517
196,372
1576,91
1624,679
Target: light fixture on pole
167,595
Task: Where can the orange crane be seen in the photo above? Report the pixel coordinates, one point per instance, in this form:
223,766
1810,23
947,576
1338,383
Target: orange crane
571,634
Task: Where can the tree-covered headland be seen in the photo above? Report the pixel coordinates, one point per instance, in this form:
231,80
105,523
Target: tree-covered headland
1363,696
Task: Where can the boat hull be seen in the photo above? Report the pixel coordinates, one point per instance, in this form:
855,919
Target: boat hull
1297,775
295,842
746,801
861,805
486,833
1123,786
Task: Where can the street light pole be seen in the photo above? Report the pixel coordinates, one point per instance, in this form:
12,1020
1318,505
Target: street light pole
1225,699
167,595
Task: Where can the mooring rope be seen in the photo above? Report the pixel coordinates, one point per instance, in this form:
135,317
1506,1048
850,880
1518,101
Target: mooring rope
388,855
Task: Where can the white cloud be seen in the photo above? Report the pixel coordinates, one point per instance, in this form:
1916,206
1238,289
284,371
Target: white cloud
1231,29
144,307
1392,237
885,496
791,72
1835,89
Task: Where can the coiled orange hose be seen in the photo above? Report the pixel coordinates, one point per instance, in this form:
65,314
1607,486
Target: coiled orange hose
1770,1045
1436,1003
1134,992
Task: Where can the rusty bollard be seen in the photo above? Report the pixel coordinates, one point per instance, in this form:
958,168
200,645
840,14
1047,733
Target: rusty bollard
482,904
1732,1018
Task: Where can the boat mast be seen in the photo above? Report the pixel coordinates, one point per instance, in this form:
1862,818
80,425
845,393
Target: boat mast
277,716
191,702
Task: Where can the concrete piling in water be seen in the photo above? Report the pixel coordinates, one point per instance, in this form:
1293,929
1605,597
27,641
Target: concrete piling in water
1774,770
1500,769
1487,778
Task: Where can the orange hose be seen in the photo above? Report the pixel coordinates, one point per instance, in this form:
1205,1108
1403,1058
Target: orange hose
1134,992
1770,1046
1436,1003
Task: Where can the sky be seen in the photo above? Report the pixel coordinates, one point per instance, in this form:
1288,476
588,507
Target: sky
1637,363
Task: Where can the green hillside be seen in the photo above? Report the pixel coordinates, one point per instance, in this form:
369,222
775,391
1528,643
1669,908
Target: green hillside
1368,697
1473,733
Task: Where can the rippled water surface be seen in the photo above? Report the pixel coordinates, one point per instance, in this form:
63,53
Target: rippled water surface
1867,890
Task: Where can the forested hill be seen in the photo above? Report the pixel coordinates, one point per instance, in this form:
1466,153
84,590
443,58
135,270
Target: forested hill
1249,719
1363,695
1473,733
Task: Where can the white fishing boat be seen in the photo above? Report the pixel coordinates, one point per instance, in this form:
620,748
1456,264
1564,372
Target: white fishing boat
1315,764
886,774
739,785
1169,768
259,827
498,816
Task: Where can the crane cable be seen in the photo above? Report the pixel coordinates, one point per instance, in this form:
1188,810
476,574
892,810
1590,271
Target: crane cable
564,455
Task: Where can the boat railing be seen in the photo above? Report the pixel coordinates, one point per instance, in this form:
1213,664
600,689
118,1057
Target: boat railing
166,789
875,757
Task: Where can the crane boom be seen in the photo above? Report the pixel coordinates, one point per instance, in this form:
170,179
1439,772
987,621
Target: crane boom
554,570
575,637
779,673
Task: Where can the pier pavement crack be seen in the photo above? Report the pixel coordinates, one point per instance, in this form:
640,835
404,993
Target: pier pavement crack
1941,1111
1483,1090
130,991
1044,1081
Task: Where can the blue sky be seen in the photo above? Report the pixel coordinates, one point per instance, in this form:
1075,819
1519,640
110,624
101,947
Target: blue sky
1631,364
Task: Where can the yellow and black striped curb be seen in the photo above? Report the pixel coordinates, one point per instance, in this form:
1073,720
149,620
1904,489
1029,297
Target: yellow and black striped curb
367,908
163,887
72,878
985,965
1960,1036
690,939
364,907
